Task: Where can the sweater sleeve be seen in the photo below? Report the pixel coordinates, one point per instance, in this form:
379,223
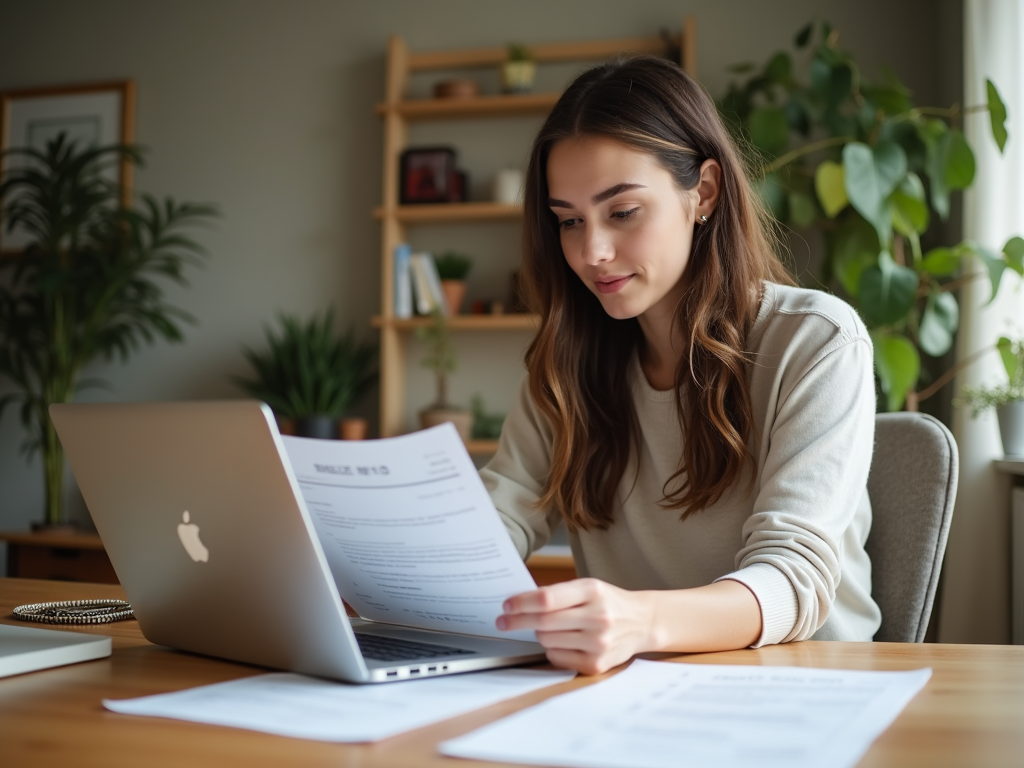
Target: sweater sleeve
515,476
812,480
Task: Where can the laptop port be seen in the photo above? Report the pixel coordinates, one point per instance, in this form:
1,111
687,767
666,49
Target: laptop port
414,671
393,673
445,668
431,669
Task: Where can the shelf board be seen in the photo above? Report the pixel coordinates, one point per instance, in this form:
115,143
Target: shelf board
478,106
510,322
481,447
440,213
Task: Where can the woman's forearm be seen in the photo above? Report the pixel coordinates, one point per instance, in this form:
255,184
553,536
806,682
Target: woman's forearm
718,617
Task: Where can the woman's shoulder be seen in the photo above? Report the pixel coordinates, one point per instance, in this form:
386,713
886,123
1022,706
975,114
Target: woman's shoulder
808,314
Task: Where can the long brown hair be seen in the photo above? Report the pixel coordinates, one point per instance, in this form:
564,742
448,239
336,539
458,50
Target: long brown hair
579,361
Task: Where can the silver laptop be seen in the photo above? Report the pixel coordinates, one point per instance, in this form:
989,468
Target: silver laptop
268,597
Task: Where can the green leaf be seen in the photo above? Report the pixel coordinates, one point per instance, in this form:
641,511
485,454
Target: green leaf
959,170
935,136
1010,361
803,37
779,68
941,262
854,247
898,365
887,291
769,130
802,211
995,267
997,115
938,323
831,189
741,69
909,215
1014,252
870,176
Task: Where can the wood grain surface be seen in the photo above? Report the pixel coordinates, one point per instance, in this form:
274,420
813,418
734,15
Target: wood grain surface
971,713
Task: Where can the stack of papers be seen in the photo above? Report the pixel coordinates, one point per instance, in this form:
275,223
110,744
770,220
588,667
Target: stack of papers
308,708
665,715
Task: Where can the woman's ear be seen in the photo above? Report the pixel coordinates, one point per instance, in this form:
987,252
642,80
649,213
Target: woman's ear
708,188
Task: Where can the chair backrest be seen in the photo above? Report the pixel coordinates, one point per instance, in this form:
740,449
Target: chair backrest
912,486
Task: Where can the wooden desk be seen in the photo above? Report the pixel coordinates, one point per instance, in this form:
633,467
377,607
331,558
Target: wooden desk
970,714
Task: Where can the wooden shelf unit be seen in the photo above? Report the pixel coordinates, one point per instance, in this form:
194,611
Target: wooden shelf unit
397,113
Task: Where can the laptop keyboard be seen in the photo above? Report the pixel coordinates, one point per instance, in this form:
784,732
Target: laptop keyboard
381,648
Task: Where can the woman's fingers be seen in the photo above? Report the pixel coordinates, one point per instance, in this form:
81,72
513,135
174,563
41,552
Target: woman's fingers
556,597
578,618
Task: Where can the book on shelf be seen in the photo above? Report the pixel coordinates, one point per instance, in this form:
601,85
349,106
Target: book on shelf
427,285
403,280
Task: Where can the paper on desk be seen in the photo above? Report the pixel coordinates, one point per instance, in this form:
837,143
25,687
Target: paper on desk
410,532
666,715
309,708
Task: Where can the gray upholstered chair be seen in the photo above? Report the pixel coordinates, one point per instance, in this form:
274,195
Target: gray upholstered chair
912,486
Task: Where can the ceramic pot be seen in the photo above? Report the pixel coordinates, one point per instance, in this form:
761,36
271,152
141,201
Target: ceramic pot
463,420
321,427
1011,428
454,293
353,429
517,76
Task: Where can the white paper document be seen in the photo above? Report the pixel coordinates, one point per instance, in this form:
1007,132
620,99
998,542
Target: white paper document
410,532
308,708
667,715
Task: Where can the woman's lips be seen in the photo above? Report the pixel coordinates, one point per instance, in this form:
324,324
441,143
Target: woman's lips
611,285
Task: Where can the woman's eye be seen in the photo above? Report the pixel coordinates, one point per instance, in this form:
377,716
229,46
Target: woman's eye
625,214
568,223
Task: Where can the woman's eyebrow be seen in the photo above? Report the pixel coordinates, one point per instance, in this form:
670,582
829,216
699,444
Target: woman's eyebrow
600,197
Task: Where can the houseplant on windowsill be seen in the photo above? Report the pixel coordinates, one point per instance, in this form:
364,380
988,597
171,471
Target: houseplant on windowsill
89,285
1007,399
453,268
442,360
856,160
310,375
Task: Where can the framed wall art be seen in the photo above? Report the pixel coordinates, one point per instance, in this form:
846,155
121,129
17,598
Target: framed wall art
94,114
429,175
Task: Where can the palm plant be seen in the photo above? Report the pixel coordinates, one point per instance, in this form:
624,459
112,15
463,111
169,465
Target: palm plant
307,370
87,286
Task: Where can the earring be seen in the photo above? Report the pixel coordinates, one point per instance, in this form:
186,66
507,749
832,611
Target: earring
703,219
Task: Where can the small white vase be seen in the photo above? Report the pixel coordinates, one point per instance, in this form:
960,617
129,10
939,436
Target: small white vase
1011,427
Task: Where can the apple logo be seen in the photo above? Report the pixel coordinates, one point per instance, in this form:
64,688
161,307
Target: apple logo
189,535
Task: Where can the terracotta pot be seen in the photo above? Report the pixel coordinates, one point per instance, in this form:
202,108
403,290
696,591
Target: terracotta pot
353,429
454,293
457,89
463,420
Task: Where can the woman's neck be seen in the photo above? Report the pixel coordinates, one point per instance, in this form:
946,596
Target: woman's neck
662,349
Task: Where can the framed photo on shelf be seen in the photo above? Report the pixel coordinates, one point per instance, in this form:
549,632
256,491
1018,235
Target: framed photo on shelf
429,175
90,114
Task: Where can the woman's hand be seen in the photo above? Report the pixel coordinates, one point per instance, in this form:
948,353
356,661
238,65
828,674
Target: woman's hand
585,624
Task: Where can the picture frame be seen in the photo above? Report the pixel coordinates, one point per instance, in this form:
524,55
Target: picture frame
97,113
429,175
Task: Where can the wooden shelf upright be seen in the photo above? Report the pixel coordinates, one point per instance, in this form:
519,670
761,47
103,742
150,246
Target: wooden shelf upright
398,112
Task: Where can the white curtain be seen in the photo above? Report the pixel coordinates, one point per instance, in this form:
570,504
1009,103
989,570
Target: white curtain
975,601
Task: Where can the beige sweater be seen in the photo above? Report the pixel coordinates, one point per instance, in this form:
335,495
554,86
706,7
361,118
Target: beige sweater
796,539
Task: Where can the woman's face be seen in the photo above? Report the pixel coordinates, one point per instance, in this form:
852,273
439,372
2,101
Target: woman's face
626,227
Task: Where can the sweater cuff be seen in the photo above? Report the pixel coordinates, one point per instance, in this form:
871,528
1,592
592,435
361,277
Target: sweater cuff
776,597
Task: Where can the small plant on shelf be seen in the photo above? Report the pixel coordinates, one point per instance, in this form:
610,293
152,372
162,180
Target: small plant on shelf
1006,399
486,426
309,374
442,359
452,268
519,70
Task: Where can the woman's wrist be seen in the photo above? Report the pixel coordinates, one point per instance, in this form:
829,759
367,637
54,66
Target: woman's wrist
717,617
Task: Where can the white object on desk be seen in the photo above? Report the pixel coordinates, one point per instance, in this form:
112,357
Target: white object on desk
666,715
26,649
309,708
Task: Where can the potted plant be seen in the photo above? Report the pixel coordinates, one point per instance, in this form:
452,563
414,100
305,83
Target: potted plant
519,70
442,360
1007,399
452,268
310,375
89,285
858,161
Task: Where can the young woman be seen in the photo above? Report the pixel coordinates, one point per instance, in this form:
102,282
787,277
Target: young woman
702,428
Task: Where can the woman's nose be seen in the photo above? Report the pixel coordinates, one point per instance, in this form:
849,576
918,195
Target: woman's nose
597,246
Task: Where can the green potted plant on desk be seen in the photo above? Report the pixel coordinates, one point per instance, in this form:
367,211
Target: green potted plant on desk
88,285
1007,399
857,161
442,360
310,376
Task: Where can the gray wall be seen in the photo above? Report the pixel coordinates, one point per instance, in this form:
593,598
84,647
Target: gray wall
266,109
